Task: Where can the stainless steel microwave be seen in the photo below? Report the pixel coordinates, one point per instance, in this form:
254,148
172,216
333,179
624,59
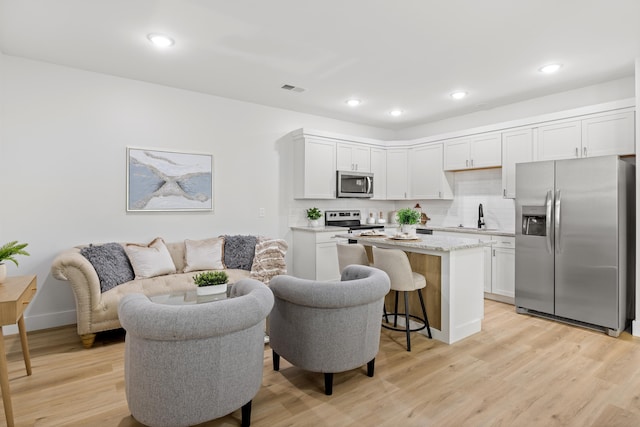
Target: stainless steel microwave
354,184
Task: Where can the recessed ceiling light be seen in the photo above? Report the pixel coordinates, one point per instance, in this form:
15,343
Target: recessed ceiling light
353,102
396,113
160,40
550,68
459,94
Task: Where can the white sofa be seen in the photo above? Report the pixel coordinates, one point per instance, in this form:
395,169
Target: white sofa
98,311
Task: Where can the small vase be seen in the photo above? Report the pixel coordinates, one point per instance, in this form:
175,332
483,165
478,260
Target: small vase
314,223
3,272
408,229
210,290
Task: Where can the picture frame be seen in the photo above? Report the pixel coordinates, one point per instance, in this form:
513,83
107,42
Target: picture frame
168,181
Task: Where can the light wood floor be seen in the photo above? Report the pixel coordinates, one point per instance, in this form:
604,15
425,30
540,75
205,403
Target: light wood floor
519,371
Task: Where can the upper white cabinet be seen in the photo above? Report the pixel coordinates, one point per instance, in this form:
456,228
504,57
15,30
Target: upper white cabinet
517,147
608,134
352,157
427,179
314,168
478,151
560,141
595,135
379,169
396,174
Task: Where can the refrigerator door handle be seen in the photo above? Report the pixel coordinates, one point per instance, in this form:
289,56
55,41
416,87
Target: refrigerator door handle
557,221
548,230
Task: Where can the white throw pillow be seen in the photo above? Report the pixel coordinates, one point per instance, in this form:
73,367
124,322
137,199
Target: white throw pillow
203,254
151,260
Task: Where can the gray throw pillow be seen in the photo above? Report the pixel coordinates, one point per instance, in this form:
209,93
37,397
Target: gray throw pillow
110,262
239,251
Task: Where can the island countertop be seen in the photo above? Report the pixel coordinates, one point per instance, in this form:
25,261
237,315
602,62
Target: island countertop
422,242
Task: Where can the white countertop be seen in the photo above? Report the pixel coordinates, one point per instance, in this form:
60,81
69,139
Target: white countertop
470,230
423,241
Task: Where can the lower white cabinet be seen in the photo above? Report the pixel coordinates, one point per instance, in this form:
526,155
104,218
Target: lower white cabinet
499,264
503,266
315,255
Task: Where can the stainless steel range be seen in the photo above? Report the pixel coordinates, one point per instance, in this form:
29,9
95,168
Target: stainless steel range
349,219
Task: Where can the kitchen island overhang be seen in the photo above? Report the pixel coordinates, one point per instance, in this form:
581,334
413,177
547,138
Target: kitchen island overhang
454,269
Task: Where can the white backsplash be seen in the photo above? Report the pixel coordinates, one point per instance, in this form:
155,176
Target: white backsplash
470,189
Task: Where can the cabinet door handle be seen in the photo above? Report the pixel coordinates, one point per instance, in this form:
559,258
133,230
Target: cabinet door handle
471,162
584,151
440,194
577,152
467,162
504,192
494,252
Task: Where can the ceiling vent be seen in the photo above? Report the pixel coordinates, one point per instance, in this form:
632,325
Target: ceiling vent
293,88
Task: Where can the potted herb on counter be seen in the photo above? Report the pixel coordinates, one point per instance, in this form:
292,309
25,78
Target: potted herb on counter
313,215
408,219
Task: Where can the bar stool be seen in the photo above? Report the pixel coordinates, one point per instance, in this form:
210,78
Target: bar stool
395,263
353,253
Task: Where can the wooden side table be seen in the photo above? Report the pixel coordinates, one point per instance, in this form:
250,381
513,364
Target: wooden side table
15,295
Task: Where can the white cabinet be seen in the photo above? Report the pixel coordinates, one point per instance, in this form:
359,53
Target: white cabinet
559,141
314,168
608,134
315,255
517,147
427,179
478,151
396,174
596,135
379,170
499,264
503,261
352,157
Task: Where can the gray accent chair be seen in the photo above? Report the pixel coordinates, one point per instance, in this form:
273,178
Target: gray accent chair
328,327
188,364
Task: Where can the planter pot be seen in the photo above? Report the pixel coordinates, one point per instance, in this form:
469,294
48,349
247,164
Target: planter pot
409,229
314,223
211,290
3,272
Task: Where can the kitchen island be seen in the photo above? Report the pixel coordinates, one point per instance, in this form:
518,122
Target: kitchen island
454,269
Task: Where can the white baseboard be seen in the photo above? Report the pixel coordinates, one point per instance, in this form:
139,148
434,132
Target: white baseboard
44,321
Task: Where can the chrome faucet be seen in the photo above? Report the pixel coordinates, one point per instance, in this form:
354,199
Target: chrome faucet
480,217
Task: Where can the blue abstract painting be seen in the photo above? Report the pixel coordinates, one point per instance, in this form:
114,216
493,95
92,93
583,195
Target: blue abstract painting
168,181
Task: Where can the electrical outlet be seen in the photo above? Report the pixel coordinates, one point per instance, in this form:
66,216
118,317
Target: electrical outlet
261,212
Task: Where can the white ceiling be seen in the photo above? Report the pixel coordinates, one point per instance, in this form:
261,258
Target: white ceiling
408,54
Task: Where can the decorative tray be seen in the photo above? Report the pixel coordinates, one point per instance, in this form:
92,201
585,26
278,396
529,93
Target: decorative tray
372,234
404,237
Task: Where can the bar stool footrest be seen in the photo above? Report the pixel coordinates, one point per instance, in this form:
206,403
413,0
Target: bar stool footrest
403,317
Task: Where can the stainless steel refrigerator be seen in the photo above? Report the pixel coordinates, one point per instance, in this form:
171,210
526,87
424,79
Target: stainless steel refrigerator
575,245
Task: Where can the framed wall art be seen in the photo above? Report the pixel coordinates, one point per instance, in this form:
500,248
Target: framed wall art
169,181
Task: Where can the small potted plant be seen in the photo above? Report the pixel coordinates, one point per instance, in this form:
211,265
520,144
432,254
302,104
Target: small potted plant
408,218
313,215
211,282
7,253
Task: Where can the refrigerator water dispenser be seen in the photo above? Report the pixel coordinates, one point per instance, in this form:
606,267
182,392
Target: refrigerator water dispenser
534,221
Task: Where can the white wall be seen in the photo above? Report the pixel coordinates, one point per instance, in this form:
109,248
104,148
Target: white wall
64,135
590,95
